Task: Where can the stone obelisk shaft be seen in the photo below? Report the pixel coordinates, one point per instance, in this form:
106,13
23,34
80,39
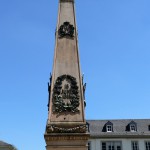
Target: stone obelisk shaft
66,61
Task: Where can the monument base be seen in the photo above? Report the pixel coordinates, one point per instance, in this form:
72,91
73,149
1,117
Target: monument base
65,141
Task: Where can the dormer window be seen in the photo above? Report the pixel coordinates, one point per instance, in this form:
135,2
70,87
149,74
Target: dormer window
108,127
87,126
132,127
148,127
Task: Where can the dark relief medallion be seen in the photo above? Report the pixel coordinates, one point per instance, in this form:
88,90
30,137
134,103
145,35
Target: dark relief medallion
66,30
65,95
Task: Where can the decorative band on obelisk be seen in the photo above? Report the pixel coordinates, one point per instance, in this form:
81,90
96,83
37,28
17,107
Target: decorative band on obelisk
66,1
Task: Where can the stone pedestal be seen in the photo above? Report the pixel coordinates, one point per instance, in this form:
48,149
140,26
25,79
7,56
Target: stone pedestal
66,141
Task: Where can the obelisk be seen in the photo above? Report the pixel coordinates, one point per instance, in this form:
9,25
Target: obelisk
66,126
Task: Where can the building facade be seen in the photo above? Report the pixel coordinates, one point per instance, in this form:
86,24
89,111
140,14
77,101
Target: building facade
119,134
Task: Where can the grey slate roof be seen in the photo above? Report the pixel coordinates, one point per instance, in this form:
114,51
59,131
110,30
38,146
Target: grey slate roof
119,128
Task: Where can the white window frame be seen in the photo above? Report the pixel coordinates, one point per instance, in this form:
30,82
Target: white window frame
147,143
134,145
111,145
109,128
133,128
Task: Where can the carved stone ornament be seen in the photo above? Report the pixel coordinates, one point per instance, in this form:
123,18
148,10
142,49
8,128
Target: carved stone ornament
65,95
66,30
75,129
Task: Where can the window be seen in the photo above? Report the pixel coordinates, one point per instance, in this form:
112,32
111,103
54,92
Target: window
87,126
111,145
147,145
149,128
132,128
109,128
135,145
103,145
89,145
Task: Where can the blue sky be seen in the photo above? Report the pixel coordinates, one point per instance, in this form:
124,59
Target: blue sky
114,44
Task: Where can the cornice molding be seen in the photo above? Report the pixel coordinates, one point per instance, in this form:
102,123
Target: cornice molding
118,136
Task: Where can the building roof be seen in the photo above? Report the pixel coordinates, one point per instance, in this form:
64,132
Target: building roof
119,128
